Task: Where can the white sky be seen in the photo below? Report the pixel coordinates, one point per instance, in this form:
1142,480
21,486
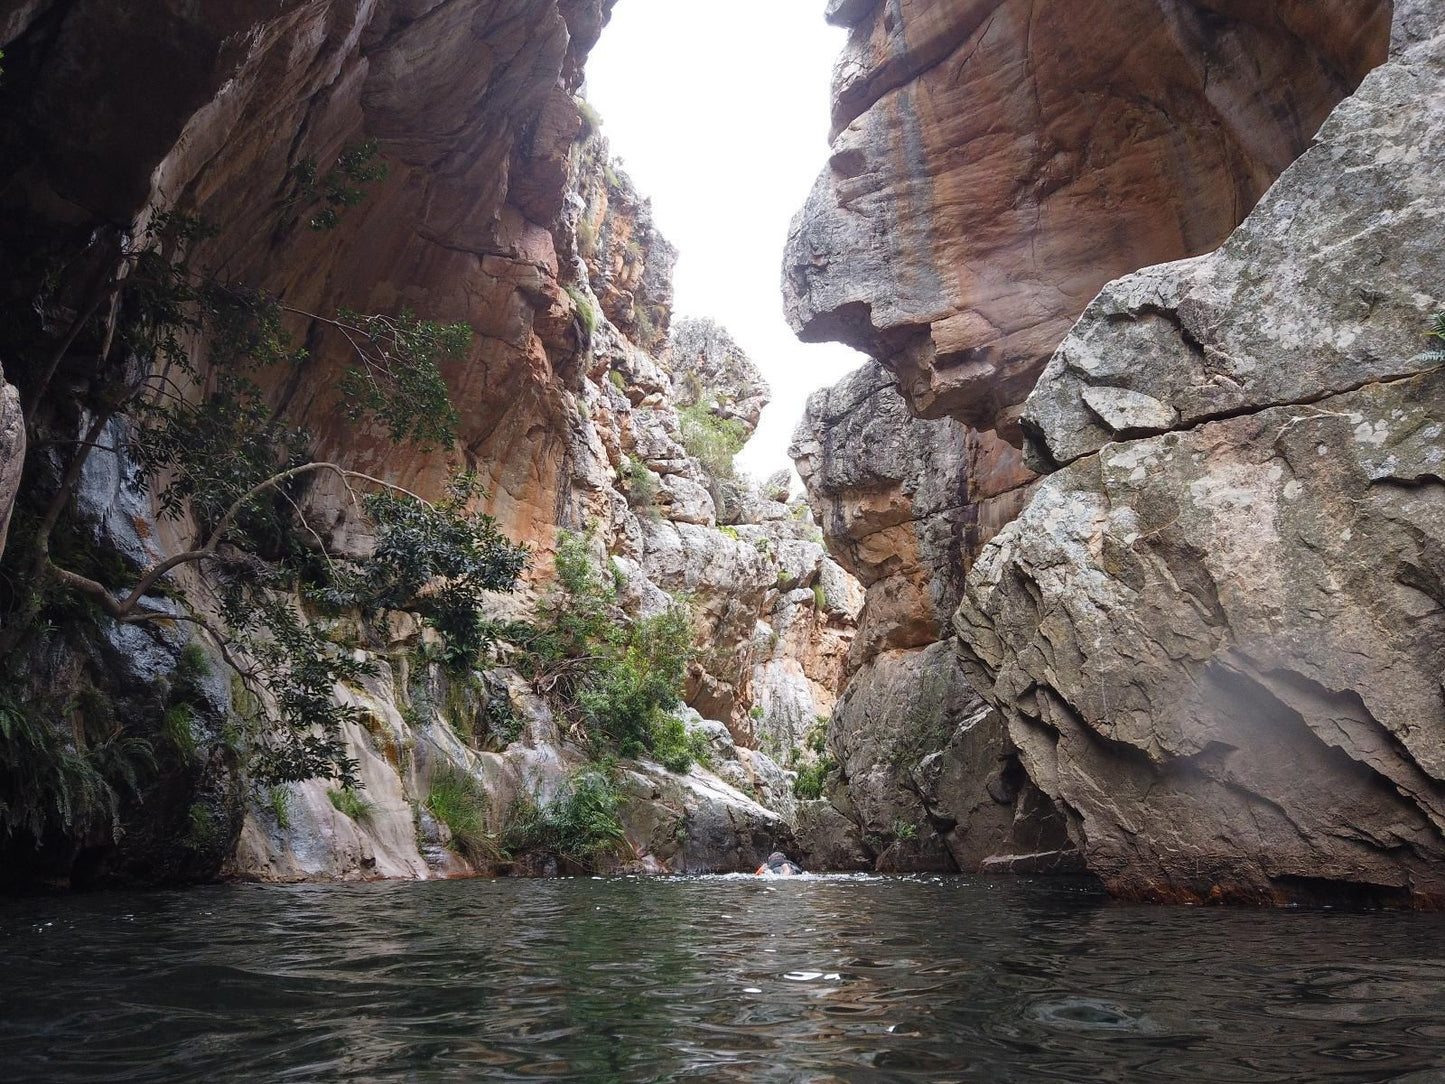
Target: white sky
720,115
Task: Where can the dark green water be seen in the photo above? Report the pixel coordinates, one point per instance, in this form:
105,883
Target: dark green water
828,979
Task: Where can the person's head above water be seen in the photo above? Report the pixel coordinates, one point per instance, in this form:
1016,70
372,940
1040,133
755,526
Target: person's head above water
779,865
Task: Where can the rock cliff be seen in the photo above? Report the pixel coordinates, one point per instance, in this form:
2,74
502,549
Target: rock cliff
1211,634
995,162
1217,632
579,408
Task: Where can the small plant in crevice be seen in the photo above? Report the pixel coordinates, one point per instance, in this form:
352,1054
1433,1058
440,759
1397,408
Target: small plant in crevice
590,118
201,829
349,802
502,722
1436,335
586,239
641,486
278,801
586,314
904,831
925,728
457,800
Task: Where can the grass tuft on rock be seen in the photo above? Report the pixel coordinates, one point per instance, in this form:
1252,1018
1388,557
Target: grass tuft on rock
457,800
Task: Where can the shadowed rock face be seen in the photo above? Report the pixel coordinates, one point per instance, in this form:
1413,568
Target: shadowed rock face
995,163
1218,632
225,103
1214,631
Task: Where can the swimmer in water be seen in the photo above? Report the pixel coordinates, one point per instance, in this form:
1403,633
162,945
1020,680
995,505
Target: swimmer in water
779,865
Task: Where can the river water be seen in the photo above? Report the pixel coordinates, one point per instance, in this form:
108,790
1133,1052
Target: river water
713,978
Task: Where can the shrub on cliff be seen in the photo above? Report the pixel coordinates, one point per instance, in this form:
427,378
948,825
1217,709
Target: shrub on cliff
613,678
711,439
201,437
580,825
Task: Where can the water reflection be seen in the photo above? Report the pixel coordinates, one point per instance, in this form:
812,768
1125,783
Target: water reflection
809,979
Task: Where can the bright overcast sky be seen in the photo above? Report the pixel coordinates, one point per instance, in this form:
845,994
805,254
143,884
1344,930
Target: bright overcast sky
720,115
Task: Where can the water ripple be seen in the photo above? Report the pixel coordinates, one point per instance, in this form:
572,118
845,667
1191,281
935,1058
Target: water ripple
820,979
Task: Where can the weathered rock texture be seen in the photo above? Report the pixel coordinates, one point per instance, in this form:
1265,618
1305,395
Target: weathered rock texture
12,453
994,165
995,162
773,645
499,210
924,768
1218,634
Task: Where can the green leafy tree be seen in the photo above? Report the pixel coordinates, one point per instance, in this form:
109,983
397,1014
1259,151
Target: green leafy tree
229,470
710,438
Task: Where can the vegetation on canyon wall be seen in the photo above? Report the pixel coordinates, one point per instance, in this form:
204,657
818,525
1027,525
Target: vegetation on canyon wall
614,678
223,466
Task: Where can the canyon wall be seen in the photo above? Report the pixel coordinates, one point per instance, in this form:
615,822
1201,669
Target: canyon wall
499,208
1211,636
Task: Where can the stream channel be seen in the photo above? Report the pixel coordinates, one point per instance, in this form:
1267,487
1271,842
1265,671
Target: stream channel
837,978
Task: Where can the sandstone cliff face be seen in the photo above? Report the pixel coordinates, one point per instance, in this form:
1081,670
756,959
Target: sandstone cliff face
498,211
1217,633
995,162
970,211
774,645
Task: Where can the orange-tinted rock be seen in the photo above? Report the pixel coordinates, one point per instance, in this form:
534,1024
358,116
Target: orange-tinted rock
995,162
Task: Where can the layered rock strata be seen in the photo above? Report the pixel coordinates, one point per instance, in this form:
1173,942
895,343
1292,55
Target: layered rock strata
994,165
924,767
498,210
1217,632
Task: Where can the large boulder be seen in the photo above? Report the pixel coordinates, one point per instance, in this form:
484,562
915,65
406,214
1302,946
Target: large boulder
1218,633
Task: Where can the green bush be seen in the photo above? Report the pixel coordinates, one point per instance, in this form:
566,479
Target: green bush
586,241
676,749
638,680
586,314
612,678
712,440
457,800
812,780
581,825
591,119
640,485
64,778
278,800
